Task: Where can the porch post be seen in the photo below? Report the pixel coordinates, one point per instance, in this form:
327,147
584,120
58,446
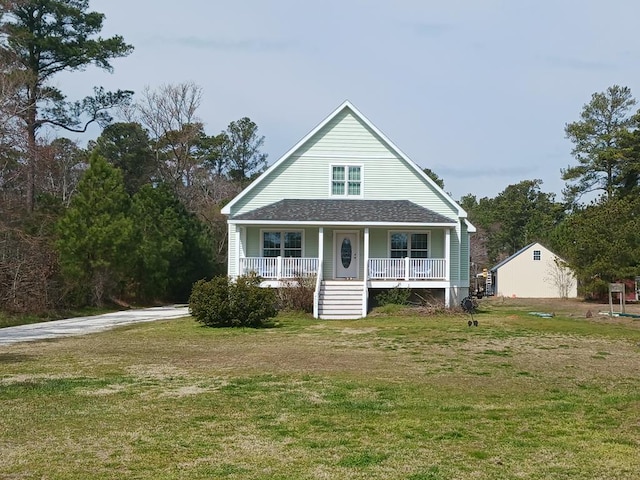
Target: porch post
316,293
447,254
365,290
366,253
320,248
238,249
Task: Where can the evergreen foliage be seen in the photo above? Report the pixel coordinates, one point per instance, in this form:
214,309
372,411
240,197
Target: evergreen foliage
222,302
95,233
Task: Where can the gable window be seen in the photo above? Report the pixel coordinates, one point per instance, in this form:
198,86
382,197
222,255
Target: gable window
346,180
536,255
282,244
409,244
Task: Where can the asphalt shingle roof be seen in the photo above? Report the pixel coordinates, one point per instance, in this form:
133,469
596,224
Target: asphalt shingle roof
368,211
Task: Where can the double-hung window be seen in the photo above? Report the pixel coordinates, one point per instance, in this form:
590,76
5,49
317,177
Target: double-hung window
346,180
537,254
409,244
282,244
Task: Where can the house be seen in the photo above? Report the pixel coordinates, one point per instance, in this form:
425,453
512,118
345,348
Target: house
347,208
533,272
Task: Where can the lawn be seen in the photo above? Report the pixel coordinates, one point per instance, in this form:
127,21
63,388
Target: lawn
387,397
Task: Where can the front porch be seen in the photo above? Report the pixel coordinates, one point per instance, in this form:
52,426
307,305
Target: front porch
383,269
346,263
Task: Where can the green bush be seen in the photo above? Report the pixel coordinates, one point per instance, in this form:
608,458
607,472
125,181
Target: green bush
222,302
395,296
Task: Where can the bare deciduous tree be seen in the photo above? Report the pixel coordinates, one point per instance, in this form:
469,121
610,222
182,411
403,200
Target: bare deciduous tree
561,277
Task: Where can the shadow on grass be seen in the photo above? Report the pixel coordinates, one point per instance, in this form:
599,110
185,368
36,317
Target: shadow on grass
14,357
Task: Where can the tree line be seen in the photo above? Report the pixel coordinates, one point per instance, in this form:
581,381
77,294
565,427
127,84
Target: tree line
134,215
595,226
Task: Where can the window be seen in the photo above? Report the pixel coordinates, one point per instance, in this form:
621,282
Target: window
408,244
536,255
346,180
281,244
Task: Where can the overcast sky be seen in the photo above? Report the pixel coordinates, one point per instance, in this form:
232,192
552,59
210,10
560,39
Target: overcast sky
477,90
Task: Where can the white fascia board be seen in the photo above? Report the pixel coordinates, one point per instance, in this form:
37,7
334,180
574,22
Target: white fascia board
341,224
226,210
470,227
415,166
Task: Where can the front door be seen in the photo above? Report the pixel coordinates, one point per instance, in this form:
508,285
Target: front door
346,255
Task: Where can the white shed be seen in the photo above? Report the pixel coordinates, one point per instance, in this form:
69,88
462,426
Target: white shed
534,272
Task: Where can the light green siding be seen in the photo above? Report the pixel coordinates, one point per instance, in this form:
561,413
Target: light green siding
464,255
454,272
232,263
306,174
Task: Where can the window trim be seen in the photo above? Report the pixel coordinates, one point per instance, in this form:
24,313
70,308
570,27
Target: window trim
410,232
346,166
282,246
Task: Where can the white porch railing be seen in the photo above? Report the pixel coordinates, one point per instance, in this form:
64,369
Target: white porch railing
279,267
407,268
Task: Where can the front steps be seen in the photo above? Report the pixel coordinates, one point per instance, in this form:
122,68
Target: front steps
340,300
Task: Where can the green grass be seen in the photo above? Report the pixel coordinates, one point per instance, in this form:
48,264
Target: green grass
387,397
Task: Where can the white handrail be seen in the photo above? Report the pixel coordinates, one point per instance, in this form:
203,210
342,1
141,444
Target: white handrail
407,268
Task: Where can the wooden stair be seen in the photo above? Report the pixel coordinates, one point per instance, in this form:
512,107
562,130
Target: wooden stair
340,300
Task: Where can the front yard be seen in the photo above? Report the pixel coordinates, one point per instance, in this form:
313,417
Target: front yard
404,397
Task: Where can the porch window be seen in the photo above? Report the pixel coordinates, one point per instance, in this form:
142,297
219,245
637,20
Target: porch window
346,180
282,244
409,244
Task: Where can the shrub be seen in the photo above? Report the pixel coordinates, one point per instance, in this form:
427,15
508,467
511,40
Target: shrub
395,295
297,294
222,302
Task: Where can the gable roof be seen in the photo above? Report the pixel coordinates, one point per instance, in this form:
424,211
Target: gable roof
347,105
519,252
340,211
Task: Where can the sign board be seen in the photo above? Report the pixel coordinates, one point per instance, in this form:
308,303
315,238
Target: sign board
616,287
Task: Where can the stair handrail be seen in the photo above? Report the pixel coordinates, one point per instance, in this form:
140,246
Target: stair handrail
316,293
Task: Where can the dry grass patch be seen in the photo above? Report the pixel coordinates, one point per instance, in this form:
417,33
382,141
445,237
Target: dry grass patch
409,397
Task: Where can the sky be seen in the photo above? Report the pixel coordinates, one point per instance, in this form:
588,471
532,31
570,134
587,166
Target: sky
479,91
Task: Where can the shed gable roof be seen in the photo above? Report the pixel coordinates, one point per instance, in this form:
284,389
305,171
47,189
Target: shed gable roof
352,211
301,145
520,252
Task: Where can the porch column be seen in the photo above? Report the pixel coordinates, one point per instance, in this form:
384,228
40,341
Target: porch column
366,253
316,293
447,254
238,250
320,250
365,290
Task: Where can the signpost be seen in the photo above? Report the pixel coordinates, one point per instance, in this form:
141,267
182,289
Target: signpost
619,289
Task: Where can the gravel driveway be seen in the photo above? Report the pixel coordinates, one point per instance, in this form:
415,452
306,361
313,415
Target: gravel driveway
84,325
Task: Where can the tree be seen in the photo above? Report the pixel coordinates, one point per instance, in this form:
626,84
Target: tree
94,234
64,163
46,37
598,143
517,216
560,276
242,150
127,147
434,176
601,242
172,248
